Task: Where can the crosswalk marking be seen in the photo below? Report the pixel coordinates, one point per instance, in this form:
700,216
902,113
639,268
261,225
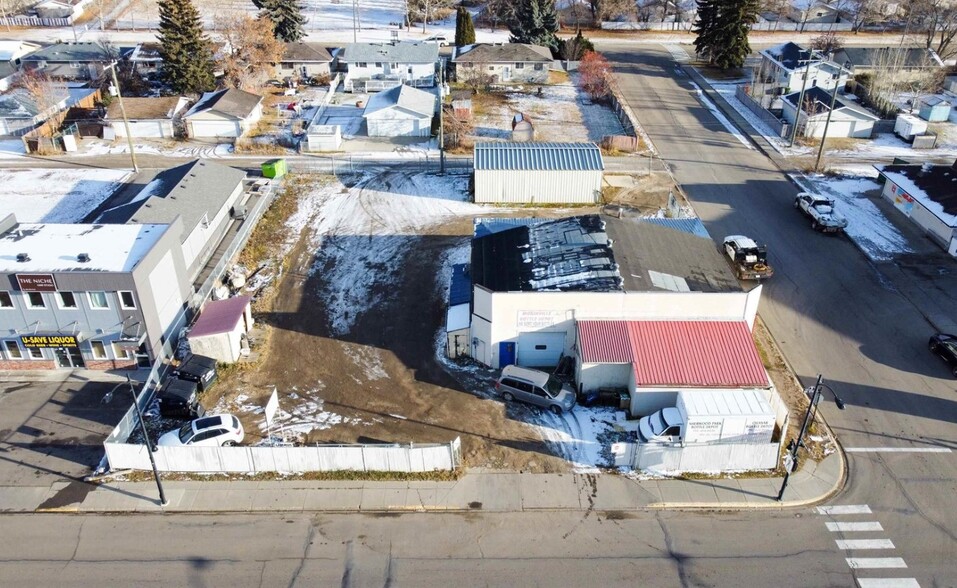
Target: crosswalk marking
844,509
887,583
862,563
853,527
897,450
864,543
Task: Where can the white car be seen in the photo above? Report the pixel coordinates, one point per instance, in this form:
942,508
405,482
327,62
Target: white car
210,431
442,40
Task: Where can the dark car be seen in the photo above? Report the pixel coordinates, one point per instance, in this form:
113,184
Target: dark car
199,369
178,398
945,346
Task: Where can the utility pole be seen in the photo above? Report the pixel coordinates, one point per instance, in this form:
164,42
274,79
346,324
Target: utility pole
827,122
797,111
441,116
149,445
355,19
126,122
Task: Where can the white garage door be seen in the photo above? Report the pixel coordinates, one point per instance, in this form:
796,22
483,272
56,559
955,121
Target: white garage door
144,128
215,128
540,349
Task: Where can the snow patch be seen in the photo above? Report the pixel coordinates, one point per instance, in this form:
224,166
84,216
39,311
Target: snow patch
56,195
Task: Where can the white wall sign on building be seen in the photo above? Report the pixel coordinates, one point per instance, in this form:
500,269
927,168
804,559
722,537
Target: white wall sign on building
529,320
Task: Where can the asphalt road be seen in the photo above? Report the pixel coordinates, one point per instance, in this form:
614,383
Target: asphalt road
832,312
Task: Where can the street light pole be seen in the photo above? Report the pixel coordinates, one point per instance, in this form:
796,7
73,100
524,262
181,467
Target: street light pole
441,117
149,446
126,122
790,461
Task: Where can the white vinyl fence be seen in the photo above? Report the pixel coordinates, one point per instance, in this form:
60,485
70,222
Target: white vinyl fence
760,26
318,458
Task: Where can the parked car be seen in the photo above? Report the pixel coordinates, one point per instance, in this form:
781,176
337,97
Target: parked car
178,398
535,387
945,346
211,431
199,369
442,40
822,212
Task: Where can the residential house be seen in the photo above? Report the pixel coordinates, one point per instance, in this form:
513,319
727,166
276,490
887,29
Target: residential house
502,63
813,12
20,113
145,58
226,114
538,173
8,74
70,61
68,9
785,66
202,193
147,117
13,50
848,119
881,59
925,194
304,61
402,111
372,67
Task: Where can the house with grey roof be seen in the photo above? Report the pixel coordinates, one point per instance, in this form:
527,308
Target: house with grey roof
904,62
848,119
515,63
303,61
20,112
147,117
784,67
223,115
70,61
403,111
203,194
372,67
538,173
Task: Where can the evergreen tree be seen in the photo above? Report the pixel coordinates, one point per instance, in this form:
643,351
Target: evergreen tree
187,56
535,22
286,17
722,28
464,28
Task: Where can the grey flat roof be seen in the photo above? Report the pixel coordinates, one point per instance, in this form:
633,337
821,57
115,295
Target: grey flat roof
400,51
407,97
643,247
502,52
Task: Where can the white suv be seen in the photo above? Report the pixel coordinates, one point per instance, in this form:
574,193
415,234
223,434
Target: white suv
442,40
211,431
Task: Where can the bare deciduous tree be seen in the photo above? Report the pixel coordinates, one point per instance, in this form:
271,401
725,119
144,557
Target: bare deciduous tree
250,52
44,92
937,19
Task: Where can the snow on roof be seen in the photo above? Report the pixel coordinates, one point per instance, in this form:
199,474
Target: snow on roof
55,247
233,102
457,318
220,316
406,97
397,51
934,186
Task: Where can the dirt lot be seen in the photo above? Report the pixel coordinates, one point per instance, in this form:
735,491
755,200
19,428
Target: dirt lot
356,331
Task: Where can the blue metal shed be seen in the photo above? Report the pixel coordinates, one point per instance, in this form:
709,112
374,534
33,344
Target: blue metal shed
934,109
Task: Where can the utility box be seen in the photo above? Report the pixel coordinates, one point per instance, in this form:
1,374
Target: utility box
908,125
274,168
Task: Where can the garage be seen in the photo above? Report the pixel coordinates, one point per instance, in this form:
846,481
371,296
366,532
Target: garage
151,118
146,129
538,173
540,349
215,128
403,111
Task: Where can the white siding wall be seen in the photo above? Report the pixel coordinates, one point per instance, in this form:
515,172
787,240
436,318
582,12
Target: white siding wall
222,347
537,187
145,128
937,229
165,290
592,376
197,240
398,127
419,70
502,311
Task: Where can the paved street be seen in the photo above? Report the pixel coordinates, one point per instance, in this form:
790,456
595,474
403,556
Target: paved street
831,311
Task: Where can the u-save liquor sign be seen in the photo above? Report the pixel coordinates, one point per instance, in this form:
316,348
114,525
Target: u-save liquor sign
48,341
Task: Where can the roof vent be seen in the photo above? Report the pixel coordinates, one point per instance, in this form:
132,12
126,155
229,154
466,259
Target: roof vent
23,257
83,257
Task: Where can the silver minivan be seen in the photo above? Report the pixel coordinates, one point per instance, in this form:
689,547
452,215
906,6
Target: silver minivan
535,387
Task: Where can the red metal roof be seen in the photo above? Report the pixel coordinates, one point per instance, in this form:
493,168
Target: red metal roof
220,316
676,353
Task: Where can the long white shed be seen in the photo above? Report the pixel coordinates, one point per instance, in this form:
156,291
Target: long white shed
538,173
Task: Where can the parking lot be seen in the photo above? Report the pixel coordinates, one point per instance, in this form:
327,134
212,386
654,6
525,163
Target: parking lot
54,429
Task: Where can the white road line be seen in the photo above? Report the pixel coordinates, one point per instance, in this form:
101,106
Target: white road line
844,509
853,527
897,450
862,563
887,583
864,543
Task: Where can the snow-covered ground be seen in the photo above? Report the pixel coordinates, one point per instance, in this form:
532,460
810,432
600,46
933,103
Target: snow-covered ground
561,113
168,148
56,195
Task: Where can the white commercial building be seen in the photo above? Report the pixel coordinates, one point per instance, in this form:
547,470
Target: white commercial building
538,173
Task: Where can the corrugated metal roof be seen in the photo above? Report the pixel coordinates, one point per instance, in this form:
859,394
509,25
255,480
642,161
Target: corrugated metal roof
460,287
676,353
720,402
538,156
487,226
220,316
692,226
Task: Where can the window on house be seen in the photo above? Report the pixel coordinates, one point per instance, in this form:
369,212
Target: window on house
394,65
13,350
66,299
285,65
74,65
362,64
121,352
491,68
519,66
35,300
98,300
36,353
539,67
127,300
378,64
99,349
6,301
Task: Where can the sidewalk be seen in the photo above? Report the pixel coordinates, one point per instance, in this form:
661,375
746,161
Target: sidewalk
489,491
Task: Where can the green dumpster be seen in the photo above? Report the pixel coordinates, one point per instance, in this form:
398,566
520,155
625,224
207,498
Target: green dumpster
275,168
